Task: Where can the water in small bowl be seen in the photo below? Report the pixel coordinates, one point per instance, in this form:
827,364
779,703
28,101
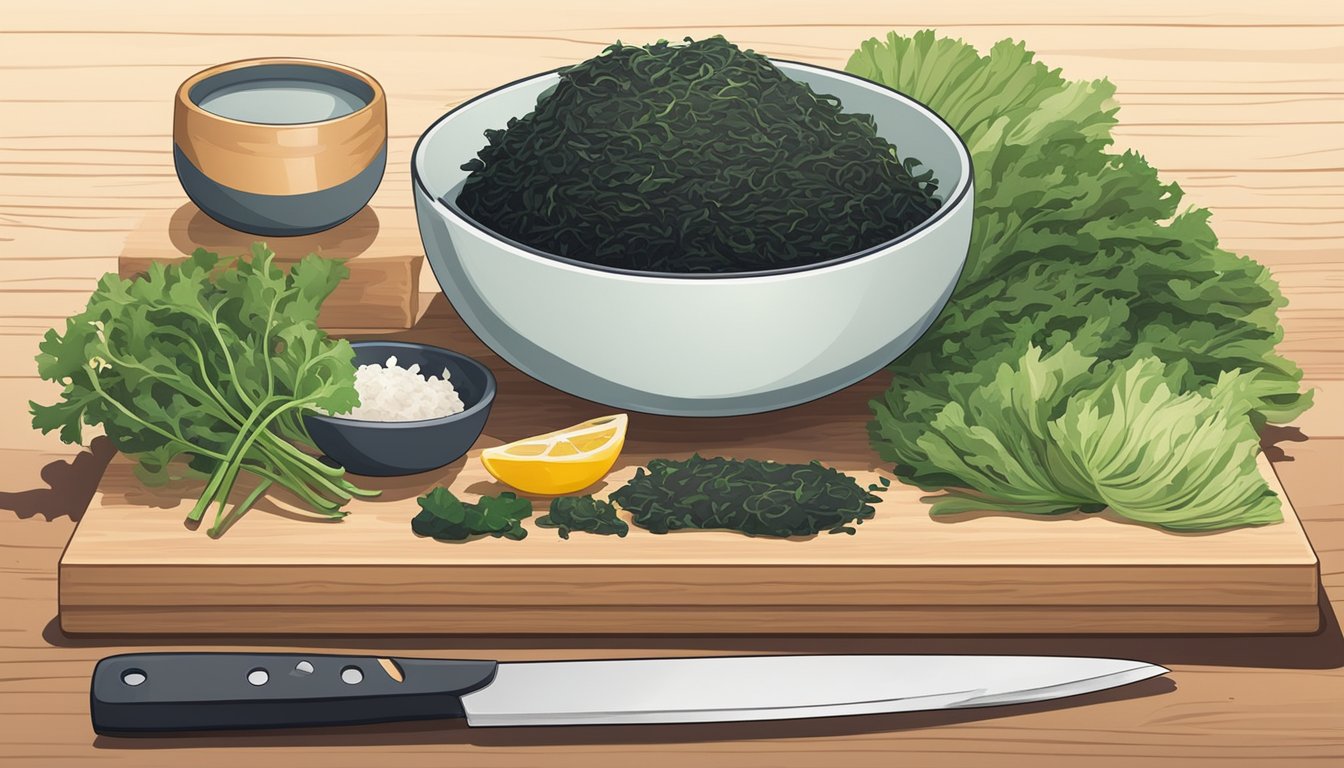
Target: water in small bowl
281,94
281,102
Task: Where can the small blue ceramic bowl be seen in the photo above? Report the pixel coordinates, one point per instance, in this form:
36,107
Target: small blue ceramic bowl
386,448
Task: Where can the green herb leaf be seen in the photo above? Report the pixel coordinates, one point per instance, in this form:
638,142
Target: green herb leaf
759,498
1080,257
583,513
446,518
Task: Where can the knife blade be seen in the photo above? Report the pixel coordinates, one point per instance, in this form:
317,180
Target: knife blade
155,692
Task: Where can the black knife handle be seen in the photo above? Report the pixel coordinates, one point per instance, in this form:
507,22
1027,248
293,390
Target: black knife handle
148,692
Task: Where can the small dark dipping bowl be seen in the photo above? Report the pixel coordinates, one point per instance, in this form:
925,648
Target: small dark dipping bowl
386,448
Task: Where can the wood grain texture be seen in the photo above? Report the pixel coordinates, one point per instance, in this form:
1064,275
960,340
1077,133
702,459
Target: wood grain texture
1239,102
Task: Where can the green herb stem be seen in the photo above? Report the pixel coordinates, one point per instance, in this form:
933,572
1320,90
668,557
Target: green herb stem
234,463
239,510
177,438
243,440
209,385
232,366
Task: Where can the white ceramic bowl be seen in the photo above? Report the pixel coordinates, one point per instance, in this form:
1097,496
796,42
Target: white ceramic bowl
709,345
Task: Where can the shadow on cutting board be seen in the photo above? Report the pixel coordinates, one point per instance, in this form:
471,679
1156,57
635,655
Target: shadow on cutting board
188,229
1274,436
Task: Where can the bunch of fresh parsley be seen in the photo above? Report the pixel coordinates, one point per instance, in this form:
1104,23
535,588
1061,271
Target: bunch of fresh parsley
1100,350
213,361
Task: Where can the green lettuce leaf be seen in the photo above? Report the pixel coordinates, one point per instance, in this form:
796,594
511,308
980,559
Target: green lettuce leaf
1073,245
1065,432
1185,462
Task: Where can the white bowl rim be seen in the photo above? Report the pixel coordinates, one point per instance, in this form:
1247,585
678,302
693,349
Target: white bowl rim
953,201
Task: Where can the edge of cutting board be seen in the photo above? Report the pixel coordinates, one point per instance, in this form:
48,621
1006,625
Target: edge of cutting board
131,568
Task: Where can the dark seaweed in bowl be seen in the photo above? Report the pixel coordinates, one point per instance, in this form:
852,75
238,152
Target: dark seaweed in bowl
696,158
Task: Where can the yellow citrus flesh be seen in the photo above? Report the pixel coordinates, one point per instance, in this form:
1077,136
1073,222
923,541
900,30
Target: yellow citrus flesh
559,462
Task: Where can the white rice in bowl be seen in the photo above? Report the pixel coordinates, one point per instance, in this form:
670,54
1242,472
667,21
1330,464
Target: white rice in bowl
389,392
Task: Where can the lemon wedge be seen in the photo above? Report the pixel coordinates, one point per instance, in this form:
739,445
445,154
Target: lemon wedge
559,462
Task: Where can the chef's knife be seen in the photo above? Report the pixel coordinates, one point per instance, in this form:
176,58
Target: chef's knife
205,691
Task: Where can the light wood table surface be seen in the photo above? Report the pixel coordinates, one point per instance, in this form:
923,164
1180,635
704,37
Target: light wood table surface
1242,103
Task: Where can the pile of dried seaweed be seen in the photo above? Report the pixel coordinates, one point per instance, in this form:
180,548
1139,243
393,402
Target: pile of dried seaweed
693,158
759,498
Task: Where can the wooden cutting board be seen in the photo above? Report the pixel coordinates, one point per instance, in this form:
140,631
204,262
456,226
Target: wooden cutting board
133,567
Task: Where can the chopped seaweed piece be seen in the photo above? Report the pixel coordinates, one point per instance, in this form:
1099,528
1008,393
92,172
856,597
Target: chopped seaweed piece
445,517
583,513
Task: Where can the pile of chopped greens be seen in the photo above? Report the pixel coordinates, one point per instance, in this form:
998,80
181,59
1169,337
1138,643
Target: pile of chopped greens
444,517
583,513
213,361
693,158
1100,350
759,498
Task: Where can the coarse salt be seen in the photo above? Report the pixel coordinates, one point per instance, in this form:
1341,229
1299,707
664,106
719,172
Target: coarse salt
391,393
